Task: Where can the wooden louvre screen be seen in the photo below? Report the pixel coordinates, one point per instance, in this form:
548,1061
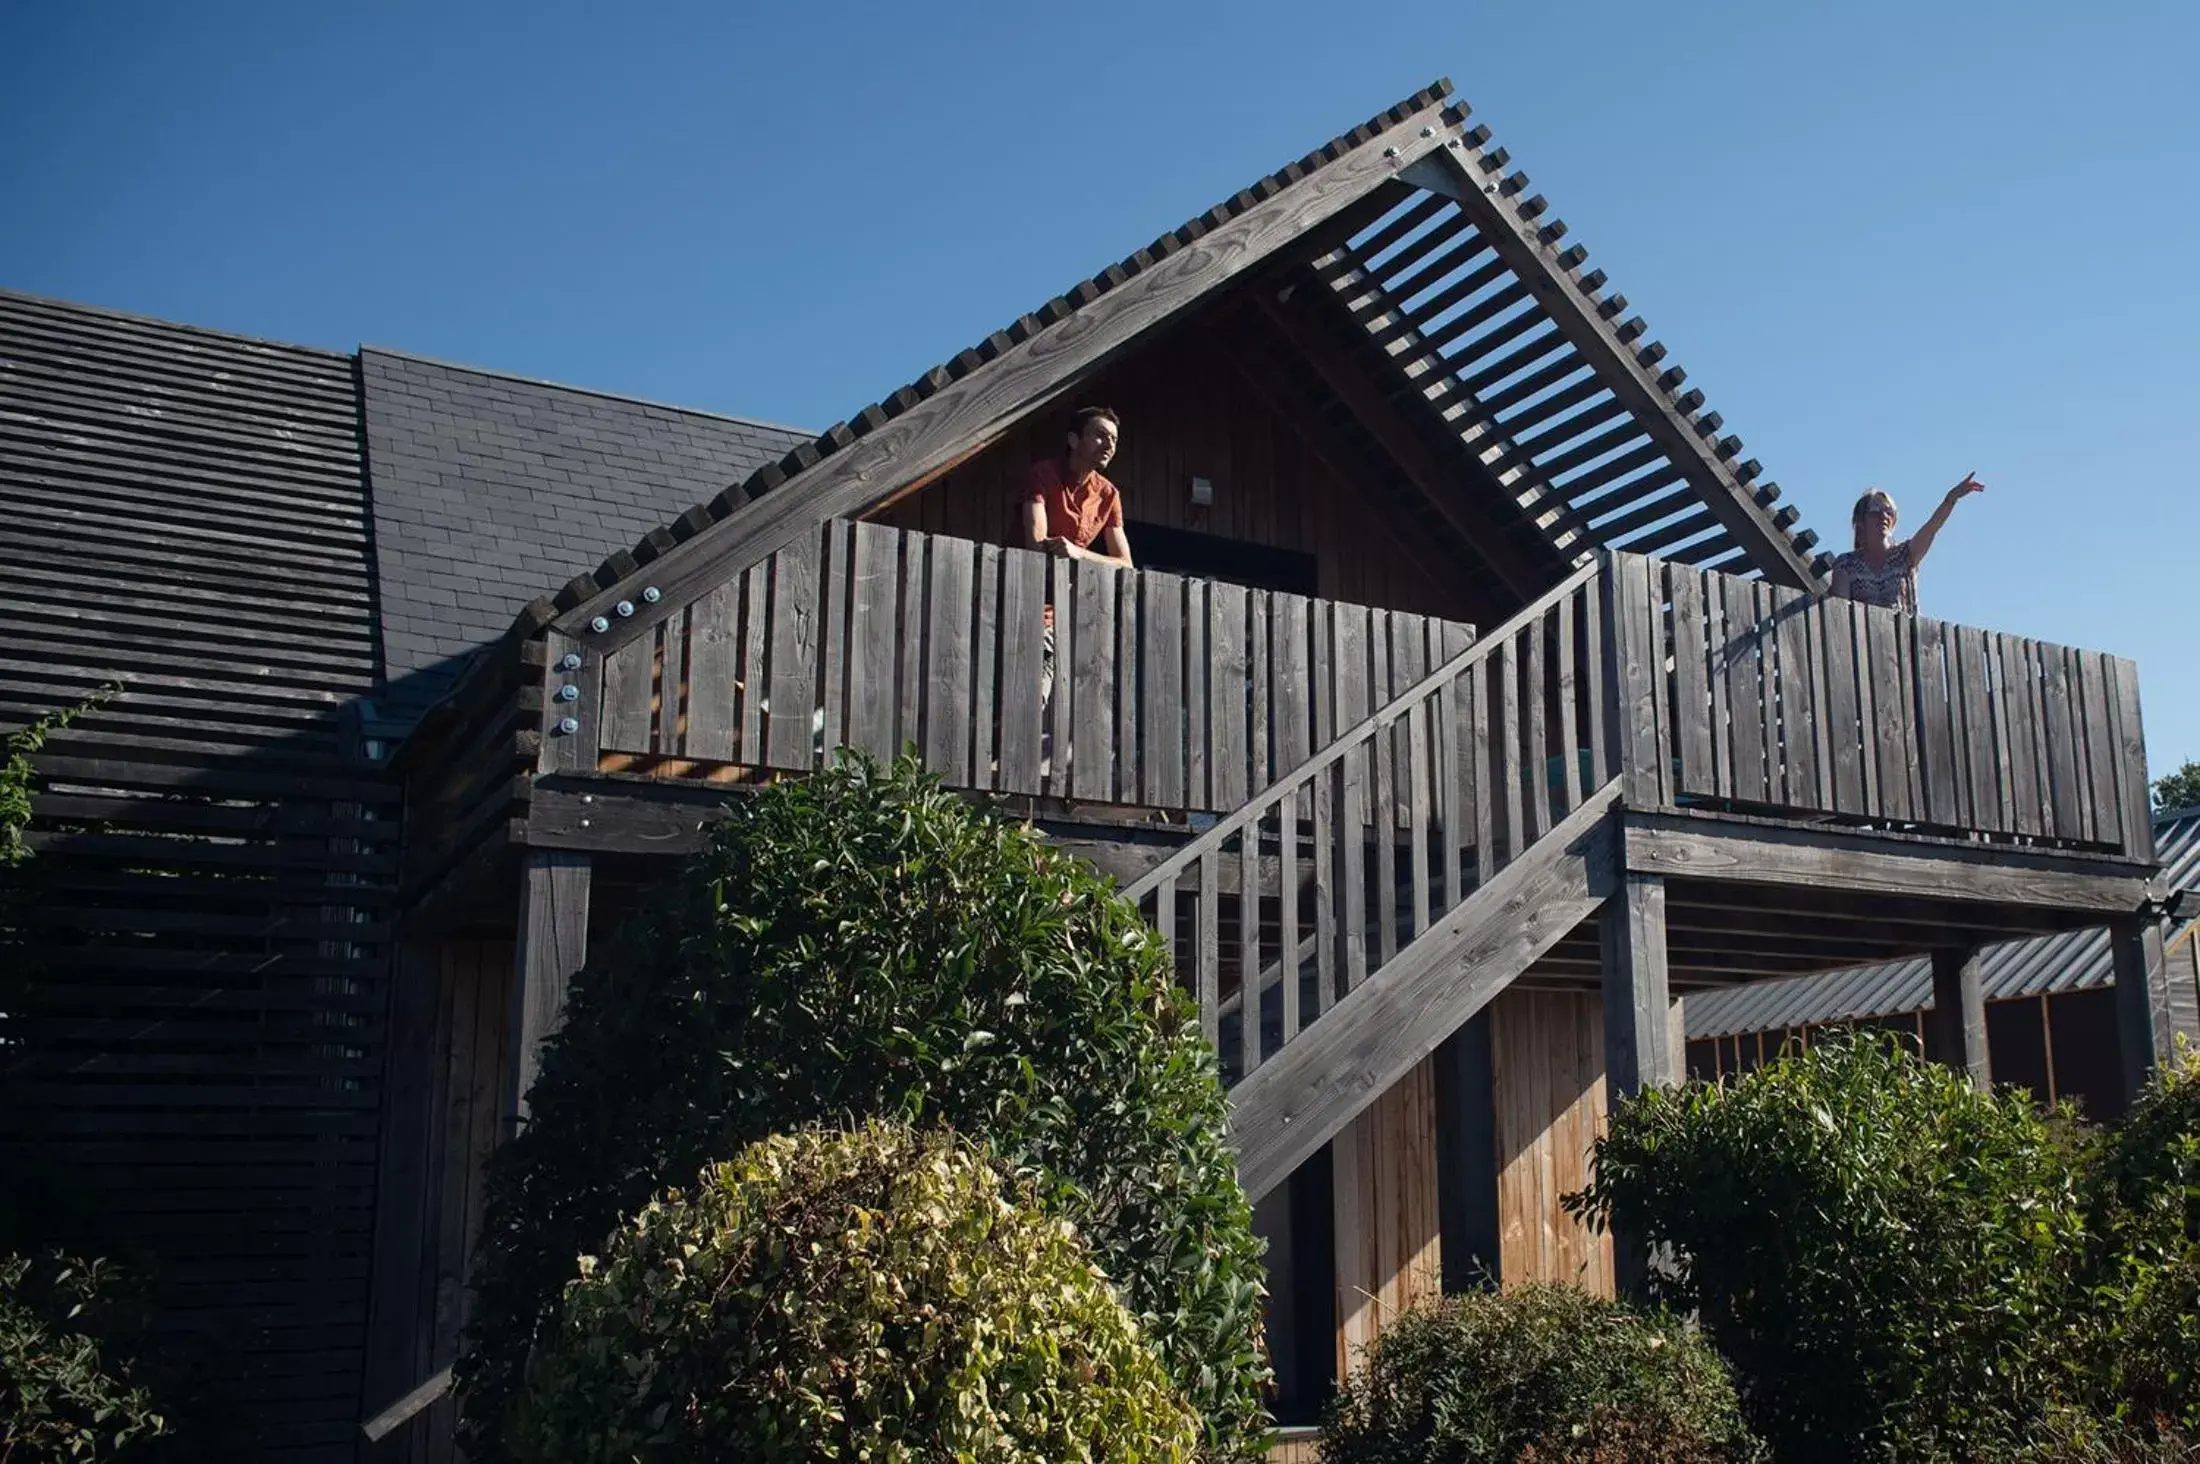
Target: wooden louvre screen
195,1026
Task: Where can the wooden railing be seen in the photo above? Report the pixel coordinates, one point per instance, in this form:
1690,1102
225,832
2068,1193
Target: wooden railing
1315,884
1775,702
1168,692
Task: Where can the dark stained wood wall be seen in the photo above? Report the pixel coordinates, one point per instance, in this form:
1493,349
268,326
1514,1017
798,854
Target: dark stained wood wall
195,1036
1188,412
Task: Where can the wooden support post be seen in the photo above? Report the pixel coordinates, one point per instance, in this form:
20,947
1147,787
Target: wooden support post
1955,1029
1638,1025
552,947
1466,1156
406,1190
2145,1027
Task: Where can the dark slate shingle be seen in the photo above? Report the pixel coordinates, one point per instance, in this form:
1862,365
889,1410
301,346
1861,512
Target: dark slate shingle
489,491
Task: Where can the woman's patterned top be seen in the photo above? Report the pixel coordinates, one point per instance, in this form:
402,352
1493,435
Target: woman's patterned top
1893,584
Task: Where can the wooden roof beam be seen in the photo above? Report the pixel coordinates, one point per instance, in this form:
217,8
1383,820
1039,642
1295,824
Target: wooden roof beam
1439,483
1519,240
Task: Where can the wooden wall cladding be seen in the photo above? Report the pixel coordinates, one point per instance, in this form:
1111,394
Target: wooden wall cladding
1547,1065
195,1042
1188,411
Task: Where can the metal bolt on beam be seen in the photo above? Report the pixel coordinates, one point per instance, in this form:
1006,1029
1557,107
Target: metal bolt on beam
569,692
567,726
651,595
570,661
599,625
624,608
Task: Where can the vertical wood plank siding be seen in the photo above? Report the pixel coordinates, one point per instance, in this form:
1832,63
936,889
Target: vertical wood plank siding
197,1052
1778,703
1167,692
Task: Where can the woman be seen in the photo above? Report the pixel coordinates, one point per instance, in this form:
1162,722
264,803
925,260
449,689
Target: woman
1879,571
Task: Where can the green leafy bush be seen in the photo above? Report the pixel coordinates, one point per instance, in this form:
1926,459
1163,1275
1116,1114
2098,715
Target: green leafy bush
1543,1373
2143,1198
864,944
1887,1257
869,1295
60,1398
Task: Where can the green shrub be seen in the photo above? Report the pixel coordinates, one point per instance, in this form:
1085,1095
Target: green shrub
2143,1198
864,944
60,1398
869,1295
1542,1373
1886,1256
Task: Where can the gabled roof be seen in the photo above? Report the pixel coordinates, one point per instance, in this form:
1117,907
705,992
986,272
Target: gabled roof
1404,186
2072,960
485,487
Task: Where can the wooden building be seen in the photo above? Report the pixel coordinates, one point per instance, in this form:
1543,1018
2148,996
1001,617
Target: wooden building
1472,703
2050,1001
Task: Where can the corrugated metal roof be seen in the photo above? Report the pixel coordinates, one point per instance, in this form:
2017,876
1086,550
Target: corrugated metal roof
2074,960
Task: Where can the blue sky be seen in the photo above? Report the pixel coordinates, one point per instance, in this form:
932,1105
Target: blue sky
1891,242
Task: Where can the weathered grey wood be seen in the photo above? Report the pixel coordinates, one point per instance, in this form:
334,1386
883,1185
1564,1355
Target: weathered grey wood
1713,661
1599,697
1058,716
1704,849
839,537
1302,1097
1936,724
2059,746
1328,964
1292,693
1505,740
1748,691
1567,692
2146,1031
908,643
1207,947
713,625
1639,1051
1692,724
1481,784
1844,723
1383,834
1227,756
1022,624
1259,713
1164,915
1796,747
1451,792
1290,829
671,683
1765,604
1130,747
564,752
1880,703
627,674
950,676
755,645
1955,1028
790,737
1092,708
2016,717
1349,670
1161,627
1642,747
2131,760
551,946
1418,796
1535,730
1198,783
2104,797
985,716
1248,949
874,612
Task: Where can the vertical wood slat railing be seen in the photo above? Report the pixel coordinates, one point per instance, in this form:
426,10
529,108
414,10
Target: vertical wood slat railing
1775,701
1169,692
1309,888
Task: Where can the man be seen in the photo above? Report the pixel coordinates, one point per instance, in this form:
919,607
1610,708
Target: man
1070,507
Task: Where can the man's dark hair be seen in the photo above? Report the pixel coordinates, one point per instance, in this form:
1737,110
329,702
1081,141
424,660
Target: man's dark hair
1086,416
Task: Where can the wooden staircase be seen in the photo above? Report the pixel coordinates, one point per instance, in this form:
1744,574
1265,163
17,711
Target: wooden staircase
1378,895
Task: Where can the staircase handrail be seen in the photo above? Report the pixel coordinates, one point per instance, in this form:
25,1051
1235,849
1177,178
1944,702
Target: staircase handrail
1249,813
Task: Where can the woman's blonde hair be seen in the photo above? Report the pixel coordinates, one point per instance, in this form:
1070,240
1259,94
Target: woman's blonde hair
1872,496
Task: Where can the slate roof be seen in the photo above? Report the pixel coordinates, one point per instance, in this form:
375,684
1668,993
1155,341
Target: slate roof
2074,960
486,488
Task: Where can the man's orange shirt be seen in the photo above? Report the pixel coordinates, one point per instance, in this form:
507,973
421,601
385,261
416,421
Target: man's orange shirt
1078,512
